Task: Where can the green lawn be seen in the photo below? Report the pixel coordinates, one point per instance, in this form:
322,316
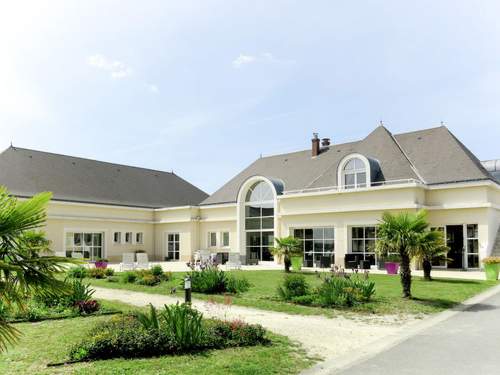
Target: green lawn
49,341
429,297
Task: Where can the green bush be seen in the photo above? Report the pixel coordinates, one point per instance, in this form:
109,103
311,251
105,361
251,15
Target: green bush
109,271
78,272
294,285
129,277
167,276
96,273
184,324
157,271
148,279
308,299
341,291
228,334
212,281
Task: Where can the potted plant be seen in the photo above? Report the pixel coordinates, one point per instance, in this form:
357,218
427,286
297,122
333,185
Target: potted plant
392,262
101,263
491,267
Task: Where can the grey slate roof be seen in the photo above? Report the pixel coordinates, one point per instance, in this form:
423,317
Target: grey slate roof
432,156
26,172
492,166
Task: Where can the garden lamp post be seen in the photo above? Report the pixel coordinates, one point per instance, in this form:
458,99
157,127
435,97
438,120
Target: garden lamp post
187,289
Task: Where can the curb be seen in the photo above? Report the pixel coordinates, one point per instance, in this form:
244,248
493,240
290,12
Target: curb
343,362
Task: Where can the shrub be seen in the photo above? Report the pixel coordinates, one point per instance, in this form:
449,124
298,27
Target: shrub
212,280
234,333
157,271
129,277
237,284
96,273
122,337
294,285
78,272
167,276
87,307
80,292
109,272
308,299
209,280
184,324
340,291
148,279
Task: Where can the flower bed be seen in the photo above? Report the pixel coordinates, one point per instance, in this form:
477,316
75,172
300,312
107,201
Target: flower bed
211,280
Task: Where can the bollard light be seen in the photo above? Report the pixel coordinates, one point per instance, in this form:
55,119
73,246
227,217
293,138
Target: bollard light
187,289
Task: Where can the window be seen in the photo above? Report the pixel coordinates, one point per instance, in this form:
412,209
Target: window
225,239
363,242
128,237
139,238
354,174
173,246
472,246
89,244
317,243
117,237
212,239
259,221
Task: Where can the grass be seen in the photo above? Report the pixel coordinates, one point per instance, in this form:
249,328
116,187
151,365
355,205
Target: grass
49,341
429,297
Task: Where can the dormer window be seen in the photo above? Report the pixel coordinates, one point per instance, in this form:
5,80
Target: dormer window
354,172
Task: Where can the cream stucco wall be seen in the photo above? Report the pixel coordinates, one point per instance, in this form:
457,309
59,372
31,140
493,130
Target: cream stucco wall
447,205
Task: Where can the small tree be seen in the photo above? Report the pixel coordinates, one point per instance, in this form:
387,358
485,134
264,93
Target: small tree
430,248
23,271
286,247
400,233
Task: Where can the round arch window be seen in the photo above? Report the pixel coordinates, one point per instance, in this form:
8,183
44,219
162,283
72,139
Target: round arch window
354,174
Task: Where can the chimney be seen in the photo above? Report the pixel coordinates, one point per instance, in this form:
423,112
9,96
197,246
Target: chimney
315,145
325,143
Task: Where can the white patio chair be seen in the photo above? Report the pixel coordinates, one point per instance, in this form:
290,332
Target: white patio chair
60,254
233,262
128,261
76,255
142,260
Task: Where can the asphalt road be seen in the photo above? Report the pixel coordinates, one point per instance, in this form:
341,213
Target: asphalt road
467,343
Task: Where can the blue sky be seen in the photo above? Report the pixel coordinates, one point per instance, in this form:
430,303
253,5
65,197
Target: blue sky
203,88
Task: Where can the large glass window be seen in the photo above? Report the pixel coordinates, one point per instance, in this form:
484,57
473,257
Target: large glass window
318,245
472,246
212,239
363,242
225,239
354,174
173,246
88,244
259,221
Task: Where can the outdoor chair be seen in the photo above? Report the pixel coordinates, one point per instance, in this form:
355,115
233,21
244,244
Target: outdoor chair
77,255
234,261
128,261
142,260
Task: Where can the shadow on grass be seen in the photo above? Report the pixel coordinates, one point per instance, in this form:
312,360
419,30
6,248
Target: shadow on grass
436,302
453,281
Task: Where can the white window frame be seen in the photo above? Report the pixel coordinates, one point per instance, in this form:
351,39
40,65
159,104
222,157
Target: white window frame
341,173
173,242
139,238
119,237
210,244
222,239
130,237
103,234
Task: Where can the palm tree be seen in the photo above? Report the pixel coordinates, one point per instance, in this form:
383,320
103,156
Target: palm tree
431,247
400,233
286,247
23,271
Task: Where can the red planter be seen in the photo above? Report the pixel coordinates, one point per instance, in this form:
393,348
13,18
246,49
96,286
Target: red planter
100,264
392,268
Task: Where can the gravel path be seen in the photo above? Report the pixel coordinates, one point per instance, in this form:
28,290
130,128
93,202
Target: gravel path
320,336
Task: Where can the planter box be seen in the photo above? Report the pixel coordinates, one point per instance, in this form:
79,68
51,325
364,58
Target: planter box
392,268
491,271
296,263
99,264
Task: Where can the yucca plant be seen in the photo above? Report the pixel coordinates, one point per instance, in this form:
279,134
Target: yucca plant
149,320
185,324
23,270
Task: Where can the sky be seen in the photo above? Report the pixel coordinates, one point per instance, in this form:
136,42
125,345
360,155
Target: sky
205,87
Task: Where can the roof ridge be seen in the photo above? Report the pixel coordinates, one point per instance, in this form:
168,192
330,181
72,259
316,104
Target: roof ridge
15,148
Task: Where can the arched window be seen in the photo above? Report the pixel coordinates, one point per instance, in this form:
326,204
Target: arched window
354,174
259,221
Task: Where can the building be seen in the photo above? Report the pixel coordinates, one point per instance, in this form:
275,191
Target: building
331,196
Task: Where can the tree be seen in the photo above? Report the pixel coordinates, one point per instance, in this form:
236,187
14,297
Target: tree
400,233
24,271
286,247
430,248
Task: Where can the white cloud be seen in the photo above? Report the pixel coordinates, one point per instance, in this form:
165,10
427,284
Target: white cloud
117,69
265,57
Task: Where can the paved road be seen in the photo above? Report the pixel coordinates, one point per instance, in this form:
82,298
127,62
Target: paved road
467,343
